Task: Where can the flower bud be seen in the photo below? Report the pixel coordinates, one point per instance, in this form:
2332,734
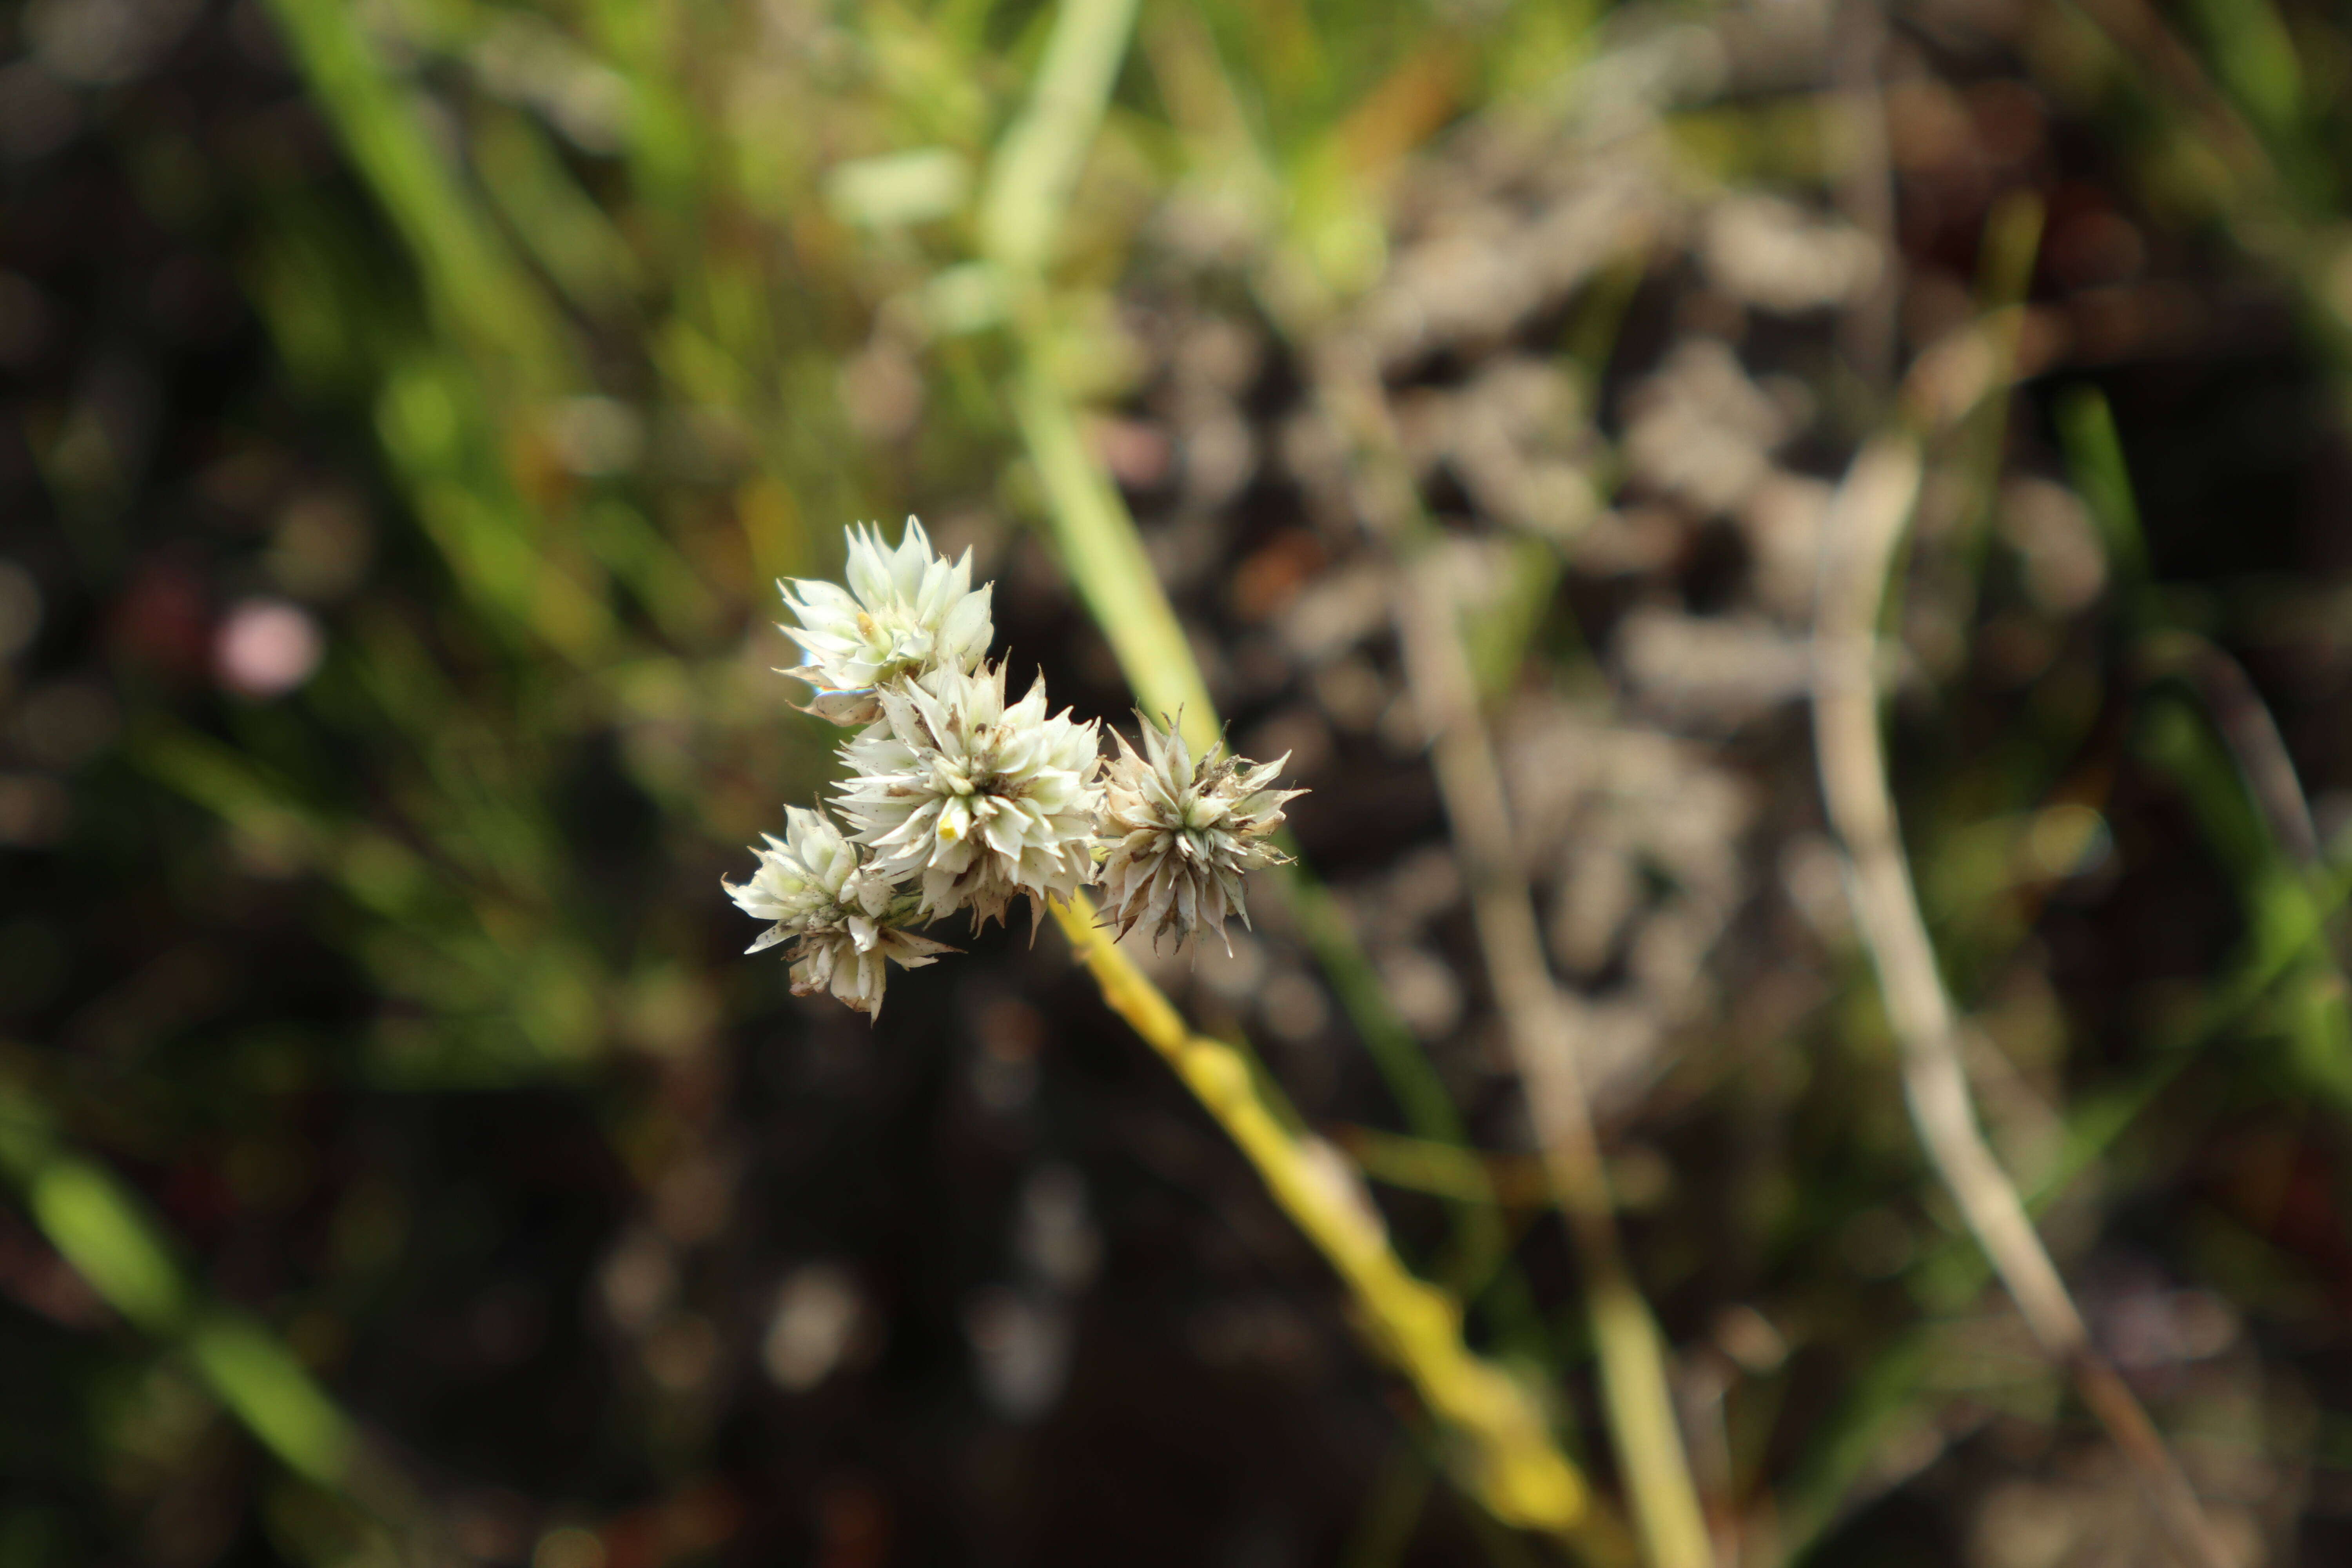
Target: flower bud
906,611
1180,834
984,801
841,918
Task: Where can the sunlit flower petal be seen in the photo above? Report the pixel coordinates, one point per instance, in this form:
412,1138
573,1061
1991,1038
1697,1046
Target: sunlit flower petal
842,917
906,613
982,801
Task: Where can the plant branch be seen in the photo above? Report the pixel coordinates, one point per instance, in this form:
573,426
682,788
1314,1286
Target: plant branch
1508,1461
1513,1466
1632,1354
1103,554
471,272
1866,521
1036,166
1106,562
1636,1389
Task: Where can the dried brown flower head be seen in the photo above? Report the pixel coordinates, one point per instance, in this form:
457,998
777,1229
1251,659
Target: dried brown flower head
1180,834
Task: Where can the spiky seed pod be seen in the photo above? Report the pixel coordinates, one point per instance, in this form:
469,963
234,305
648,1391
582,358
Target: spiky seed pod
1180,834
905,613
985,802
842,920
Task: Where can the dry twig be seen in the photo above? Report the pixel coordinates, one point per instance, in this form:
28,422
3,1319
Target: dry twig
1866,521
2250,730
1635,1386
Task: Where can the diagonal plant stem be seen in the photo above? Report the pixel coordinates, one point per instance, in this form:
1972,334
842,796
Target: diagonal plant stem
1036,164
2246,726
1513,1466
469,271
1508,1461
1866,521
1633,1353
1029,183
2244,723
1819,1491
1105,558
1637,1387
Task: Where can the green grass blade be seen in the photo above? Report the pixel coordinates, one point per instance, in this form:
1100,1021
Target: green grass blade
107,1233
1105,560
1036,164
469,270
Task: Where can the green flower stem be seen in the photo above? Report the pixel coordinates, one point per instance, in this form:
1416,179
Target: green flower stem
1106,562
472,274
1030,180
1114,577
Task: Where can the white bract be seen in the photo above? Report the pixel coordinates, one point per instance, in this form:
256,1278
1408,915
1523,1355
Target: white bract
959,801
906,612
1181,834
983,801
841,918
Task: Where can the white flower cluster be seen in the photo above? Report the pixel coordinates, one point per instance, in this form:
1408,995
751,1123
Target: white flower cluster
841,917
960,801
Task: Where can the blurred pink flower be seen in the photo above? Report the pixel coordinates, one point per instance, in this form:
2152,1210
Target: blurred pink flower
267,648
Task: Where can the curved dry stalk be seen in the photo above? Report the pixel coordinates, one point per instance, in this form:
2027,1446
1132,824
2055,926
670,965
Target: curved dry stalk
1868,519
1507,1458
1635,1386
2251,731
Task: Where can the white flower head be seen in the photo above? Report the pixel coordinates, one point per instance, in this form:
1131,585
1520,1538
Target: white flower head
1180,834
984,801
906,613
842,916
